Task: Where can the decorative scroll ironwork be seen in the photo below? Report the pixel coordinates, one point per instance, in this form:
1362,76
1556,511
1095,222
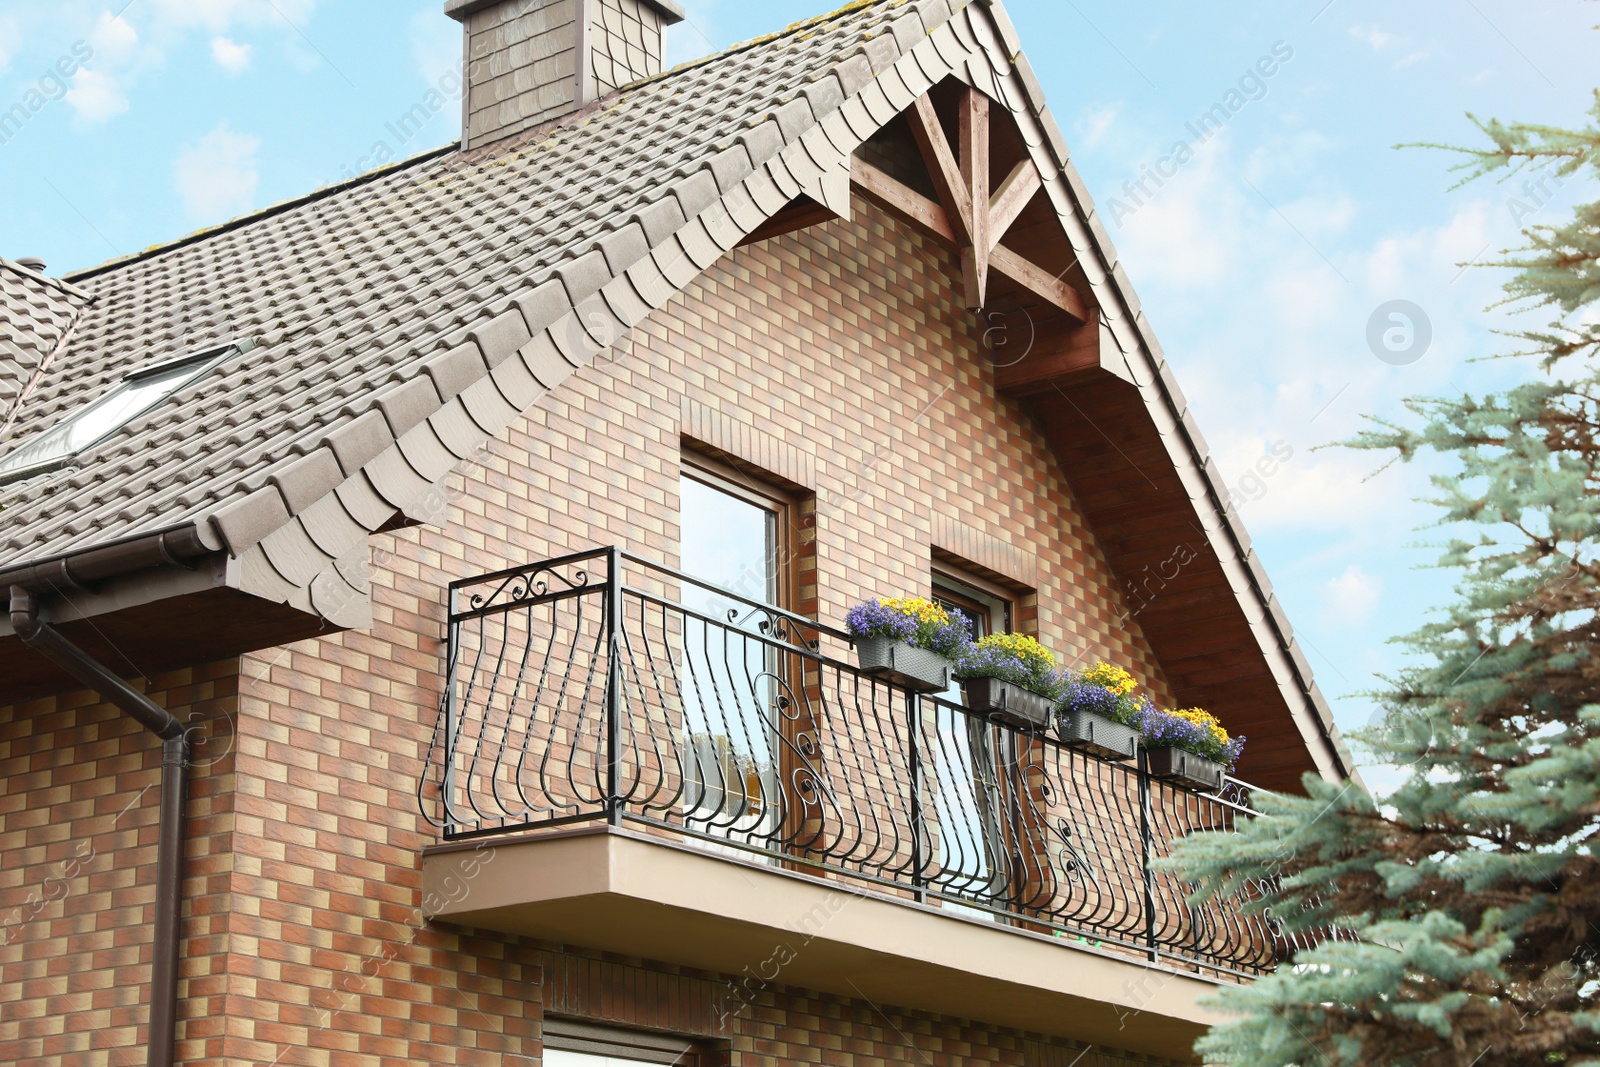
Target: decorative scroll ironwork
602,687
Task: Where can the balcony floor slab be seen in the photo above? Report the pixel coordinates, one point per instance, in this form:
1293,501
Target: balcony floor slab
626,892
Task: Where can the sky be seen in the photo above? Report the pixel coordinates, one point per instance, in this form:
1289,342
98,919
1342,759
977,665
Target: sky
1301,271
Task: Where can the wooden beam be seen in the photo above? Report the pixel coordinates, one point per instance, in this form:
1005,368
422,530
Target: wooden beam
942,166
917,209
1009,200
972,123
1037,279
901,199
1070,356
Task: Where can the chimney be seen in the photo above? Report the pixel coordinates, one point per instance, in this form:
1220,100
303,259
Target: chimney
531,61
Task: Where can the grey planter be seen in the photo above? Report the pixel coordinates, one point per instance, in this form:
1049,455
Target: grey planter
903,664
1097,735
1177,765
1005,701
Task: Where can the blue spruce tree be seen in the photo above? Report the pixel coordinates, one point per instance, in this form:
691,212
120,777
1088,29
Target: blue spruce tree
1466,904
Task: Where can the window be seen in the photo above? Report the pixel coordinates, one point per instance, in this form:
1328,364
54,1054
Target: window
730,538
573,1044
94,422
734,538
968,798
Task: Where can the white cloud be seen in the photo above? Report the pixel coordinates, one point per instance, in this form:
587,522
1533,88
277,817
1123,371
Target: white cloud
96,96
99,89
435,44
219,16
1093,127
1174,236
128,47
1372,36
1410,60
113,39
1353,596
217,177
230,55
1275,298
9,39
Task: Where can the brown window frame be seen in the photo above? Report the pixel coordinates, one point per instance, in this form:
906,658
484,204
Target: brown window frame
752,489
785,505
596,1039
955,585
944,584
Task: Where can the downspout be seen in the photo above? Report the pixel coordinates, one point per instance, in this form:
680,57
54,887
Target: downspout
46,641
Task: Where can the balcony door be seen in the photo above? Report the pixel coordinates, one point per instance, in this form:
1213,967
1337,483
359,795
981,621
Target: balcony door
730,675
967,794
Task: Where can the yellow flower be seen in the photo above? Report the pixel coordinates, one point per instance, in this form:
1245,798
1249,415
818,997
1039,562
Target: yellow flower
1110,677
1023,647
1202,717
919,608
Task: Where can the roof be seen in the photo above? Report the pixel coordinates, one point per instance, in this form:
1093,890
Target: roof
39,312
403,319
353,290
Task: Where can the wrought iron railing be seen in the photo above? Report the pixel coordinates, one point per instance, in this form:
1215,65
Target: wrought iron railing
604,687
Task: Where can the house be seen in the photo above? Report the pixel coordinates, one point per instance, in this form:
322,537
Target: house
425,596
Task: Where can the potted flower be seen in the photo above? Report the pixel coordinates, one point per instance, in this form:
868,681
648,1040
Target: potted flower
1098,713
909,641
1188,745
1010,676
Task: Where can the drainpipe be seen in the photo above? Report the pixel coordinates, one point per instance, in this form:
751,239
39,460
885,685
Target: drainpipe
49,643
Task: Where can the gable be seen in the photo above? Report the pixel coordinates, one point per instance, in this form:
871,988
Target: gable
1115,419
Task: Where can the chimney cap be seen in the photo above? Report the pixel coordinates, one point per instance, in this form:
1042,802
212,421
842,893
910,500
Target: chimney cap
33,263
671,11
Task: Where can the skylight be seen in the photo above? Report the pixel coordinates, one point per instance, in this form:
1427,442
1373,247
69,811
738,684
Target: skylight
127,400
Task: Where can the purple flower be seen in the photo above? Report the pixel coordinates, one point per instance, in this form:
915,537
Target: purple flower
1159,728
1081,696
872,619
987,661
875,619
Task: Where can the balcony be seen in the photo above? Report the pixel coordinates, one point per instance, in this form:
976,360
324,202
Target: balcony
665,768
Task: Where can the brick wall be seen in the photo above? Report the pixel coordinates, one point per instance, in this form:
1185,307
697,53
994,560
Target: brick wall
846,344
78,824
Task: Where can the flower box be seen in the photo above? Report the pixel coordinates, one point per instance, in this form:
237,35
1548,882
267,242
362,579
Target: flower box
1097,735
903,664
1006,701
1177,765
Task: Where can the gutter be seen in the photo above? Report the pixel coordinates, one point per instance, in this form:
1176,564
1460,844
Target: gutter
177,546
42,638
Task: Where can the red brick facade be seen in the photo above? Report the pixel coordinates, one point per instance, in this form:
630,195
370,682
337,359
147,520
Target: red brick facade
838,359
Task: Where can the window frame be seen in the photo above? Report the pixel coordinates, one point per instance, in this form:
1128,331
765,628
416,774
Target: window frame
974,594
185,370
754,490
998,605
786,505
643,1046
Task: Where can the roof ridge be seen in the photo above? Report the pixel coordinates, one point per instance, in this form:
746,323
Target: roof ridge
767,38
278,208
432,153
39,278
